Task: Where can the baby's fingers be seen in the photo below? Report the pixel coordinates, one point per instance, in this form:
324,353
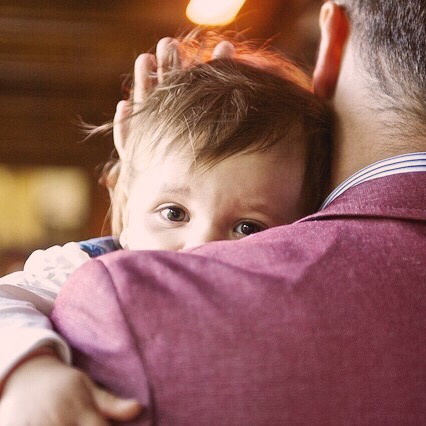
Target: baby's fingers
224,49
91,419
168,57
145,81
115,408
121,126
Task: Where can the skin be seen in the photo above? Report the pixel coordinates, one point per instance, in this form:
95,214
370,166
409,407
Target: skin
173,208
43,391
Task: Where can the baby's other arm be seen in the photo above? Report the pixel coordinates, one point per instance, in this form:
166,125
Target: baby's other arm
36,382
26,300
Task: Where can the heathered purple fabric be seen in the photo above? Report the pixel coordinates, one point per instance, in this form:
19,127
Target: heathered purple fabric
319,322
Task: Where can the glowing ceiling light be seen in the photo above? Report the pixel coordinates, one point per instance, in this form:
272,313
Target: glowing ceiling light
213,12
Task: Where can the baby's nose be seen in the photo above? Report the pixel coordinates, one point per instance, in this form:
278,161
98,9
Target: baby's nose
200,237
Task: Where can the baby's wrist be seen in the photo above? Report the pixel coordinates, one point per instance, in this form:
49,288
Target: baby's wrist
36,354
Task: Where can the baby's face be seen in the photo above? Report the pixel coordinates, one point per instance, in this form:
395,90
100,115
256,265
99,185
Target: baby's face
172,208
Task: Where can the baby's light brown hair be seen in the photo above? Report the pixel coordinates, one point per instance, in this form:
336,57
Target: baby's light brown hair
215,109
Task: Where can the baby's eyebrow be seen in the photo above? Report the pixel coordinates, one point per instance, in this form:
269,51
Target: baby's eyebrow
262,208
173,189
270,209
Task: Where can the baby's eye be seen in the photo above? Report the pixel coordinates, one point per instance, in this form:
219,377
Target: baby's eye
244,229
174,214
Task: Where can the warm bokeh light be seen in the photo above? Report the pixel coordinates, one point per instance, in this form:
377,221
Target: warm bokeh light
42,202
213,12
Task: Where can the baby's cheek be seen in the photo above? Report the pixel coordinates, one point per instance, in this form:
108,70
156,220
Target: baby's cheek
137,238
148,236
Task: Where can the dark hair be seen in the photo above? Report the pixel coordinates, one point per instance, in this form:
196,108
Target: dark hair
391,39
215,109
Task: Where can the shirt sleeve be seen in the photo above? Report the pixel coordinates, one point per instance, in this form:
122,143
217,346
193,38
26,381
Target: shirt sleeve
26,301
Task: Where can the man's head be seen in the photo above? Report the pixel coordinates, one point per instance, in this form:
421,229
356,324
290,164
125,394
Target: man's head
390,37
213,112
372,63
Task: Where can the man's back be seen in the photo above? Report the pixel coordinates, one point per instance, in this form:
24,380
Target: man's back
318,322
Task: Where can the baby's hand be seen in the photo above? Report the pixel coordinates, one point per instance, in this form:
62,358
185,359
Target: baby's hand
43,391
149,71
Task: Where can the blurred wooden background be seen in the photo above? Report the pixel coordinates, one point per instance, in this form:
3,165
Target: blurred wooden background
61,59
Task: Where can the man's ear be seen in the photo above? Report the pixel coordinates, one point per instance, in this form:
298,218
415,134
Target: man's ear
334,26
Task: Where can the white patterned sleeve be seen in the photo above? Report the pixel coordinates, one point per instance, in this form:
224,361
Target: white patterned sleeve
26,300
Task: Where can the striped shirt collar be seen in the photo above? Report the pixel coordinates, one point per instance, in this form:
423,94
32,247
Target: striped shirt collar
407,163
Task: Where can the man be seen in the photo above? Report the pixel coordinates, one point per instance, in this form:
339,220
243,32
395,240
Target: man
318,322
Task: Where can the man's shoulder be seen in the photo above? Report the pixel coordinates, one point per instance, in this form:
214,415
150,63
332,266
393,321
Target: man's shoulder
325,313
398,196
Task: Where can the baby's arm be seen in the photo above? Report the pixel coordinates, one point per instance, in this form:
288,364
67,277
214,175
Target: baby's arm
27,297
26,300
37,384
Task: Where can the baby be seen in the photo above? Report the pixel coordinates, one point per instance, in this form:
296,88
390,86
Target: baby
213,149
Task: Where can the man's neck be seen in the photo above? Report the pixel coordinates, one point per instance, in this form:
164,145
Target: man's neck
358,145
